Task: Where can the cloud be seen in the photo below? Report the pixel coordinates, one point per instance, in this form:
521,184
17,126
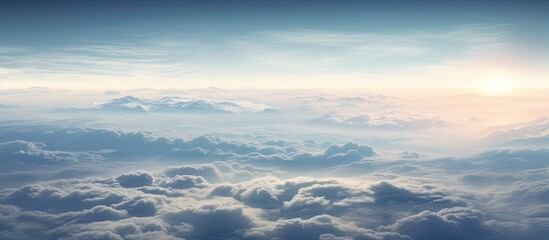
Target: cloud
310,228
140,143
132,228
308,197
223,218
97,235
534,192
112,93
30,91
530,200
135,179
111,145
207,171
449,223
184,182
334,155
36,153
35,197
96,61
245,189
314,49
386,121
348,150
285,49
532,134
139,206
266,207
266,192
89,139
17,177
512,160
7,106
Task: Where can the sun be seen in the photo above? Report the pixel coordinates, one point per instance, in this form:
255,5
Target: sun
495,82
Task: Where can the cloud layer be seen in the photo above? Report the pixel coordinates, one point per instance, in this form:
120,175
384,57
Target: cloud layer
180,203
92,179
387,120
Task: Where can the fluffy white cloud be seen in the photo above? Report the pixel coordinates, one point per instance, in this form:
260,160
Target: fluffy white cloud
22,152
448,223
135,179
207,171
311,228
87,144
245,190
184,182
124,207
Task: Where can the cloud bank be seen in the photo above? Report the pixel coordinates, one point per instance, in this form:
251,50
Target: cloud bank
182,203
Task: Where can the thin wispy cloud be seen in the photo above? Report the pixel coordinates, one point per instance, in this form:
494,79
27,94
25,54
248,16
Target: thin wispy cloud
264,52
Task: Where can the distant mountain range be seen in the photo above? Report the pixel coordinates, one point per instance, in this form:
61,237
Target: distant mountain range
173,104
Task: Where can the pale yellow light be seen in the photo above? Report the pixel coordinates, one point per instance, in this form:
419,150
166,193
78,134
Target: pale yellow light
496,82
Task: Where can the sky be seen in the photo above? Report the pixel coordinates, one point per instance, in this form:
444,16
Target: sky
305,120
491,46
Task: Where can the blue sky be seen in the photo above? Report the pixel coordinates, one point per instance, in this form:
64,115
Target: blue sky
272,44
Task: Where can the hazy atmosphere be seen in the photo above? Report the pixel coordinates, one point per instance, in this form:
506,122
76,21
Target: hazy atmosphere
330,120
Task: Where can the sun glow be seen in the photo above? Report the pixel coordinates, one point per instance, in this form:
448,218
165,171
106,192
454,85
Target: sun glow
496,82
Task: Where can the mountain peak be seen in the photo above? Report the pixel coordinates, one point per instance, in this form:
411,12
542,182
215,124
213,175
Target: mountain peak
176,104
